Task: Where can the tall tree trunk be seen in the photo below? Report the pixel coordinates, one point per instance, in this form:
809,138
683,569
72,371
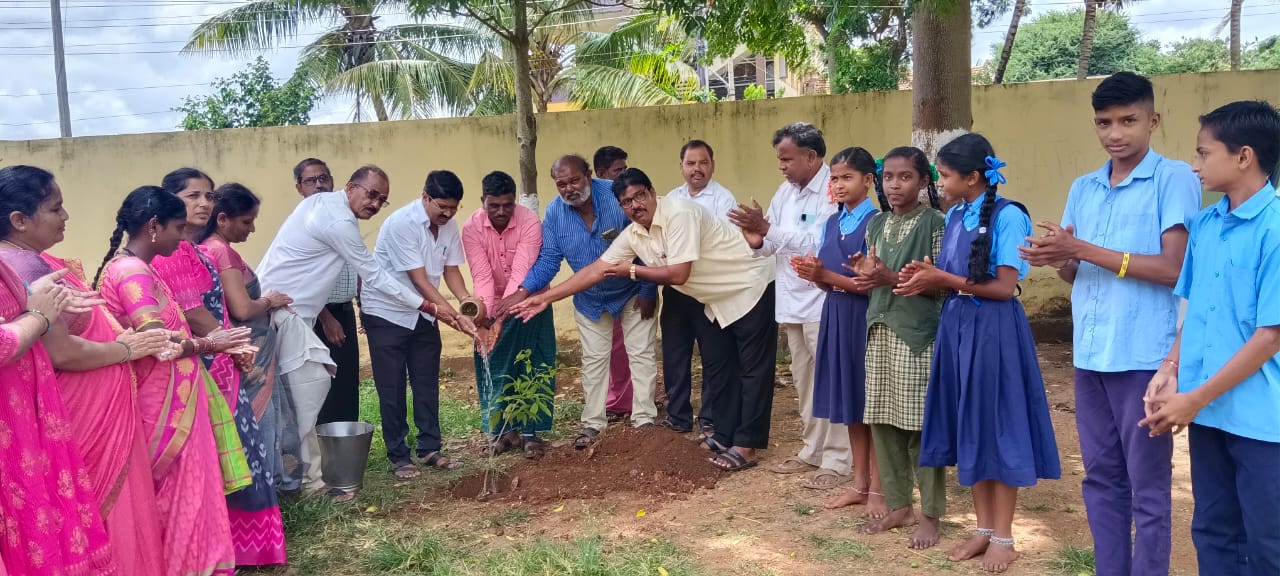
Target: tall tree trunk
1235,33
1086,39
940,77
526,124
1018,8
379,107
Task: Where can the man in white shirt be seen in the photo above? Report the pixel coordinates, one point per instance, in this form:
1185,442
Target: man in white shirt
681,321
306,257
793,227
418,244
684,246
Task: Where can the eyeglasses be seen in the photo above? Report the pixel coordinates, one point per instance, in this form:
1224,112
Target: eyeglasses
447,210
321,179
374,195
636,199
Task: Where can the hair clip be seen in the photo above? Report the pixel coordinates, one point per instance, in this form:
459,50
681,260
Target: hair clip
879,165
994,177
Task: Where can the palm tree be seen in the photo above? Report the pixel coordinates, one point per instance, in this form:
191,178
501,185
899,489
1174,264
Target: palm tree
401,71
1232,21
1019,8
1086,39
646,60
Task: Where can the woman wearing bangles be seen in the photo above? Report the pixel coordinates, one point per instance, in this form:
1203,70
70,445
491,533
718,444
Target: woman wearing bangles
43,529
196,455
257,528
91,356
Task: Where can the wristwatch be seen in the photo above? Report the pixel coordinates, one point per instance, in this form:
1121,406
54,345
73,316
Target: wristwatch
633,272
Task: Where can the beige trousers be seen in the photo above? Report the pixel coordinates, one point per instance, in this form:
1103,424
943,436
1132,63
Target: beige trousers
826,445
640,337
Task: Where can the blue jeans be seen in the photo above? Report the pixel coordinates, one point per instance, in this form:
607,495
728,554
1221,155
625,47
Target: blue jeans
1236,485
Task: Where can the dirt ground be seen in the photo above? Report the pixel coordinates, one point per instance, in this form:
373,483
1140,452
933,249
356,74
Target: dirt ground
757,522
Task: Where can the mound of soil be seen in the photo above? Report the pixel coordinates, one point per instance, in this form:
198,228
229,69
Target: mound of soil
655,463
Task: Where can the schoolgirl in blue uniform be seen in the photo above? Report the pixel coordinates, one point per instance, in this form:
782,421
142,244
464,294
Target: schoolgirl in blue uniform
985,409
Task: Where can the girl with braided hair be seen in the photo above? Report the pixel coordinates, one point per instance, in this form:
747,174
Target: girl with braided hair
985,407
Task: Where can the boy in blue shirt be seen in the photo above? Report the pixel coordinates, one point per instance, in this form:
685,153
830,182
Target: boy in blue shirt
1121,246
1222,379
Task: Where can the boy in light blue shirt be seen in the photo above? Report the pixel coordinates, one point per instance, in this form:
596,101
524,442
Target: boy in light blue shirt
1121,246
1222,379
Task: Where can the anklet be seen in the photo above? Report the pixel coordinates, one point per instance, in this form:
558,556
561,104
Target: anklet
1008,542
988,532
857,491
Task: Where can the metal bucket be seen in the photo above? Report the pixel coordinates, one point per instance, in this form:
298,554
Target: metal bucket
344,453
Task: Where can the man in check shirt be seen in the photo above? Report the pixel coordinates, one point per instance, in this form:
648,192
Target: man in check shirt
685,246
681,319
792,227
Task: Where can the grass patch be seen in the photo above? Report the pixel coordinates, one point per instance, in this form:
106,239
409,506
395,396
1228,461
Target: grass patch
512,517
1073,560
424,555
591,556
1037,508
802,509
836,549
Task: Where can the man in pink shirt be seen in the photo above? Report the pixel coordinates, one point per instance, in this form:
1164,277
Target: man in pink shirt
502,241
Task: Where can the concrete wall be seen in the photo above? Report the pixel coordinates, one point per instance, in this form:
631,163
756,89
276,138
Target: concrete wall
1043,130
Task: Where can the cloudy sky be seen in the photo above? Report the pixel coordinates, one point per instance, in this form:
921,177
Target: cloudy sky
125,73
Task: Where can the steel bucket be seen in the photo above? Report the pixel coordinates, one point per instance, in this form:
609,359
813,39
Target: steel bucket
344,453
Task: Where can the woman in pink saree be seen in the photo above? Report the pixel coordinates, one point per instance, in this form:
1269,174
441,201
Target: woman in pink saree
257,528
48,522
195,454
91,356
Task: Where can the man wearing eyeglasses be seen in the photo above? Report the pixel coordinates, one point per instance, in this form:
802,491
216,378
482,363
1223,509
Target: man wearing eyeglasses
307,256
579,226
685,246
336,324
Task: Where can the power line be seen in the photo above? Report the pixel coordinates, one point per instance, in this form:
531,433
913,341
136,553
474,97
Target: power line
125,89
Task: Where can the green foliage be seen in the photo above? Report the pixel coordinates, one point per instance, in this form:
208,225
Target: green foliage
838,549
1049,46
250,98
1184,56
1262,55
1073,561
869,68
754,92
525,397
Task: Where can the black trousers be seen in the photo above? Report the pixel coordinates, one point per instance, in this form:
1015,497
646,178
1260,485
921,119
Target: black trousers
684,322
739,367
343,402
396,353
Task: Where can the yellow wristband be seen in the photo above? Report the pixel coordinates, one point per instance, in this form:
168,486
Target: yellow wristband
1124,266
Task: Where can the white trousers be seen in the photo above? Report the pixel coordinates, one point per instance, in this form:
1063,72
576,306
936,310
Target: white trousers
826,445
640,337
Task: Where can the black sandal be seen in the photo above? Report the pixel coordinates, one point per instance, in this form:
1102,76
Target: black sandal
439,460
709,442
676,428
405,471
534,448
505,442
731,461
584,438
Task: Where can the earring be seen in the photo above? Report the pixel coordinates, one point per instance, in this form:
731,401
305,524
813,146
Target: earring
153,236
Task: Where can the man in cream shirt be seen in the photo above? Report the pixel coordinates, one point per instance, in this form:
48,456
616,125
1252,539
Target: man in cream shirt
793,227
707,259
681,320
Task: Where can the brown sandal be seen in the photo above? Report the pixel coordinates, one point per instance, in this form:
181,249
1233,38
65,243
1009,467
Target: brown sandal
534,448
584,438
508,441
405,471
439,460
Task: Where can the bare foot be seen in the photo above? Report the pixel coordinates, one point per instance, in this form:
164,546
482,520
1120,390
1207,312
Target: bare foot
851,497
876,508
927,533
904,516
998,558
975,545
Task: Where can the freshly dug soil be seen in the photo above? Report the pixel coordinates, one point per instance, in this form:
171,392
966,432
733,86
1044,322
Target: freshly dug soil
655,463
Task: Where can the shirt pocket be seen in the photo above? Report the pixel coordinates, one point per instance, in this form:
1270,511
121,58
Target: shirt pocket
1242,292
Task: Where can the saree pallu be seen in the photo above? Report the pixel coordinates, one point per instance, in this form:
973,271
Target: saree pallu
173,401
257,528
49,521
538,336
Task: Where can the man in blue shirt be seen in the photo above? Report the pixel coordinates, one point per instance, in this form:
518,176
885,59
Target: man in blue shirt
578,227
1222,379
1121,245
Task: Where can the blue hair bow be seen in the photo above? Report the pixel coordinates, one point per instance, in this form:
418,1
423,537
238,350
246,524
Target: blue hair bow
994,177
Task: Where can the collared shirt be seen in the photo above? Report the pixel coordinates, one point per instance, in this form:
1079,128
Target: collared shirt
308,252
715,197
345,288
849,219
565,236
499,261
405,243
1123,324
1230,278
726,276
1013,226
796,217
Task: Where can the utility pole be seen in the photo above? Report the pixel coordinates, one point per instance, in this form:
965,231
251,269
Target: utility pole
60,68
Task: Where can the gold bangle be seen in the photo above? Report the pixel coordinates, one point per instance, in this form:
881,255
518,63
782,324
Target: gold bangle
1124,266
